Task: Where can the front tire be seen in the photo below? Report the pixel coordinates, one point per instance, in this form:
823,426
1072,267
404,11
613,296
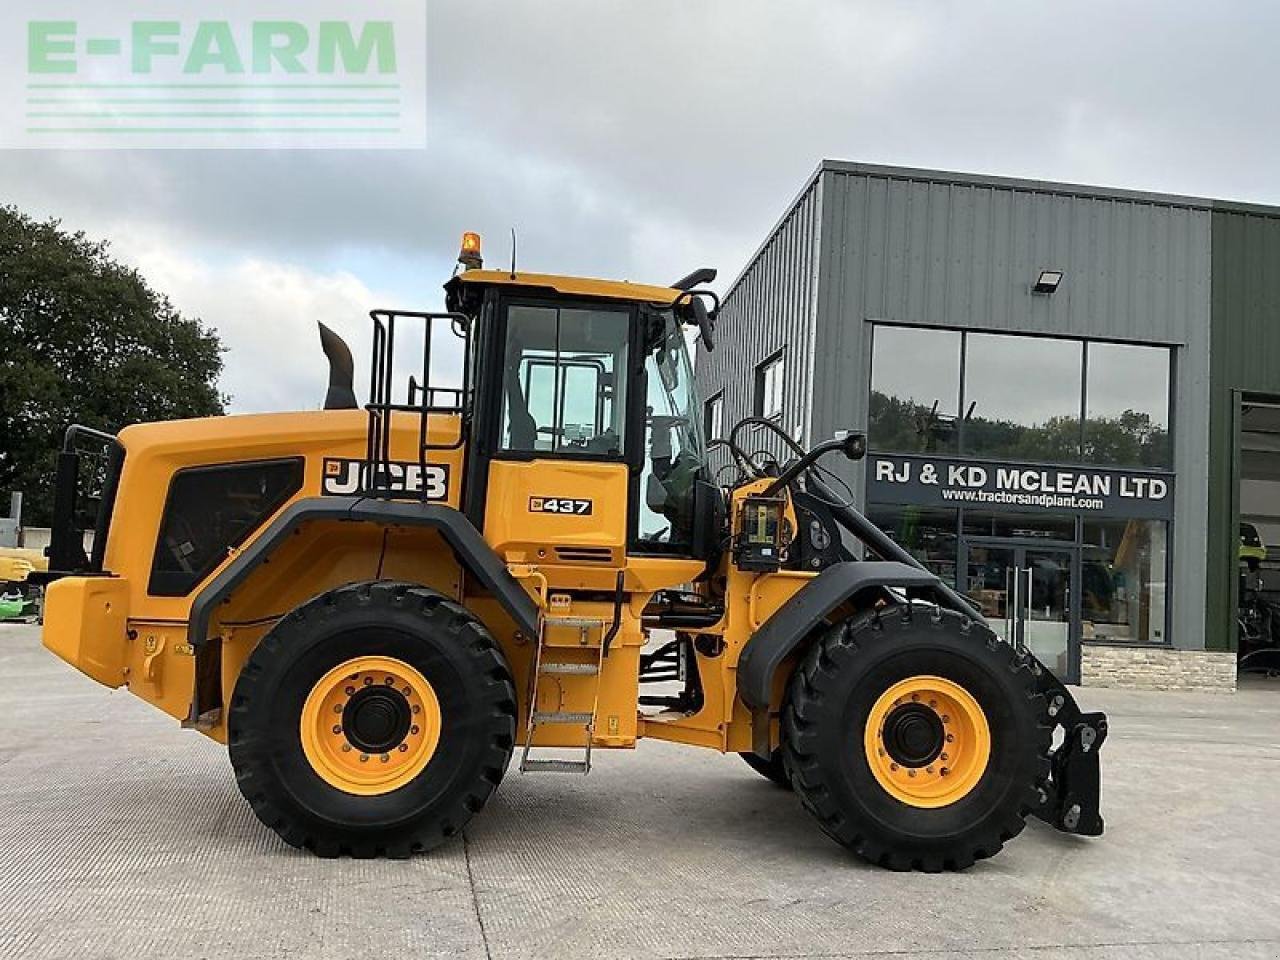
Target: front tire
376,719
916,738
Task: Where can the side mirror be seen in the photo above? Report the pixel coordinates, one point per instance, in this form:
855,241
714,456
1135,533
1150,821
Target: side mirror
853,444
706,322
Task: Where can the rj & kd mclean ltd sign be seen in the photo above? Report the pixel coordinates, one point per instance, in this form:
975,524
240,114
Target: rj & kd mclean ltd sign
946,481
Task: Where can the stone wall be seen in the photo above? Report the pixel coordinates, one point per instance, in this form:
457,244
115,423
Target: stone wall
1156,668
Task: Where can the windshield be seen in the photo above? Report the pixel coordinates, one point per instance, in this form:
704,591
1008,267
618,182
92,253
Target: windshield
674,451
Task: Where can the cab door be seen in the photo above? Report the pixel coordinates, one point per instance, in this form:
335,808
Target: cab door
558,470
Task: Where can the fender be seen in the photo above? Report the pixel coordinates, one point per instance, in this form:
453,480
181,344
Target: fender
470,548
788,628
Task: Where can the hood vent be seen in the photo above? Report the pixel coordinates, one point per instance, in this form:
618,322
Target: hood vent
584,554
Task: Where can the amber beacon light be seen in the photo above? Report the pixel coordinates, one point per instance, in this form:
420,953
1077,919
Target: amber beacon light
470,257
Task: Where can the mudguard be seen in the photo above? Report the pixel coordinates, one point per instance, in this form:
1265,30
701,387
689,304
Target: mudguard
790,626
473,553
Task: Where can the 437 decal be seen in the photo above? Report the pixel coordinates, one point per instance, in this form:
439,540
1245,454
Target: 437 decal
562,505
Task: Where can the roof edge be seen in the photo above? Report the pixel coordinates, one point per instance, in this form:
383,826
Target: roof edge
809,183
1025,184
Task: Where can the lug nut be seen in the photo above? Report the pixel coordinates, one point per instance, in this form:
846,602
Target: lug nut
416,708
950,737
364,758
386,757
368,681
911,773
337,708
350,690
414,728
346,748
945,757
945,718
893,766
407,691
337,728
945,771
403,747
390,681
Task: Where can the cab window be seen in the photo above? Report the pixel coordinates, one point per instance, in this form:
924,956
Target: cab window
564,385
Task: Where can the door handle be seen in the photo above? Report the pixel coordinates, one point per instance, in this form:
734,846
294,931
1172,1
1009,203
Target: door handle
1015,613
1010,605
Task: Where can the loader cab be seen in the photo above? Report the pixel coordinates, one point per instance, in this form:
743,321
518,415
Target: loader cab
585,424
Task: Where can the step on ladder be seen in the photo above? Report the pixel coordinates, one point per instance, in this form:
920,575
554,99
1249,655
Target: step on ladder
545,668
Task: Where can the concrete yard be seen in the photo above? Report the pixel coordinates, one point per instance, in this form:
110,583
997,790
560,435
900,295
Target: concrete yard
123,836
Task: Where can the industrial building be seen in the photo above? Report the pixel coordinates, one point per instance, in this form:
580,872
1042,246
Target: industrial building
1068,393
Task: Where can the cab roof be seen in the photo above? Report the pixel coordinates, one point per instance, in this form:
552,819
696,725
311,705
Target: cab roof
569,286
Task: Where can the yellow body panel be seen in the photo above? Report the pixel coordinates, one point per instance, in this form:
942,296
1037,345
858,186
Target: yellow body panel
85,624
520,528
571,286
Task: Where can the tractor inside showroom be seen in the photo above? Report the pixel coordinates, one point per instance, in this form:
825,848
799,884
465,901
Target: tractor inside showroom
375,608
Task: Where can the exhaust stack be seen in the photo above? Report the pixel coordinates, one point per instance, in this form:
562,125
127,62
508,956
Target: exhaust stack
342,371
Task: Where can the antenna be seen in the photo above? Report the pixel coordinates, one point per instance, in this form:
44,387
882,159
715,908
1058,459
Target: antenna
513,253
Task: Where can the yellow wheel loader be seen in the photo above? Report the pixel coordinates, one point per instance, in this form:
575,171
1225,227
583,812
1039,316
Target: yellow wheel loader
376,609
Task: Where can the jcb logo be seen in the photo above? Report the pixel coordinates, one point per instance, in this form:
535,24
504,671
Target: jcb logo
345,478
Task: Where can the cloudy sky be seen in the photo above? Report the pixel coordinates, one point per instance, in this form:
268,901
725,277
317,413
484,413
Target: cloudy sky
642,138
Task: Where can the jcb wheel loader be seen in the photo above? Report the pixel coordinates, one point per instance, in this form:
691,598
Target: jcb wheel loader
374,609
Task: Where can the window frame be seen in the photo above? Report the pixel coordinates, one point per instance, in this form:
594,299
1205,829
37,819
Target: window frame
1171,408
775,360
714,403
632,412
157,588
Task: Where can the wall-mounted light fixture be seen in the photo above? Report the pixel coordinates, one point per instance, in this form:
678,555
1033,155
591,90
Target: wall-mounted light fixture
1048,281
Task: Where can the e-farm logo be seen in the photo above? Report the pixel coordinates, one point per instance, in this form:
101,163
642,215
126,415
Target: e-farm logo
232,73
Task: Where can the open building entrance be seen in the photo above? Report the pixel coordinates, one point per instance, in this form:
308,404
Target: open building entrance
1258,554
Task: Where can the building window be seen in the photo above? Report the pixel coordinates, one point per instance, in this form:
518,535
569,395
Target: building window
928,535
915,390
1022,397
769,388
1122,580
1127,405
713,417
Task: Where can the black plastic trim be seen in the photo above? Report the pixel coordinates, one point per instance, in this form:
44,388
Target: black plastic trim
463,538
787,628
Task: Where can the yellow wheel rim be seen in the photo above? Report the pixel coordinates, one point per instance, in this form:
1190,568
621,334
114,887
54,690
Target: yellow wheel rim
370,725
927,741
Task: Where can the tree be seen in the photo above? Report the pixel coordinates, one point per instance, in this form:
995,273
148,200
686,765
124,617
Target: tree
83,339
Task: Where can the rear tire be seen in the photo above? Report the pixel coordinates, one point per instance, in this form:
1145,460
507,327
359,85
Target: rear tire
771,769
837,726
433,780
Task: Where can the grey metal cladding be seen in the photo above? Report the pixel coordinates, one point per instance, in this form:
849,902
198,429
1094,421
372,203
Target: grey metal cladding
957,250
770,307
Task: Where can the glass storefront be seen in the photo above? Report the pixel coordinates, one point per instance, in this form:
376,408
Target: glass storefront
1031,473
1122,580
928,535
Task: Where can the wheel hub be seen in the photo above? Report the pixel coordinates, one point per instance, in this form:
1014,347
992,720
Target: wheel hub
914,735
927,741
370,725
377,719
